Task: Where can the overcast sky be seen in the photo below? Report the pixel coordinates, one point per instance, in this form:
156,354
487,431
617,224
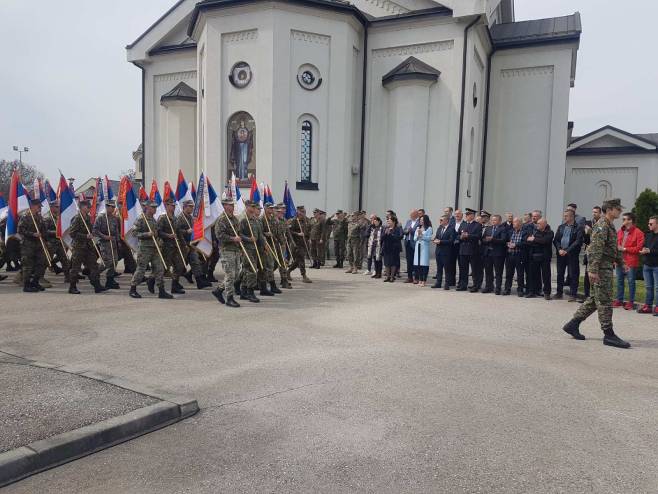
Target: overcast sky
67,92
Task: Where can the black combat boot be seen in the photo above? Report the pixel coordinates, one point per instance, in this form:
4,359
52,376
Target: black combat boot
37,285
219,295
202,283
111,284
251,296
611,339
573,328
177,288
28,286
57,269
273,287
150,284
210,276
98,288
133,292
188,276
264,292
162,293
230,302
236,288
73,289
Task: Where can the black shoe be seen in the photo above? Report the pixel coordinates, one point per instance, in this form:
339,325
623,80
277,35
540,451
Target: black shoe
110,284
162,293
507,292
520,293
3,277
487,290
436,285
202,283
547,296
558,296
150,284
219,295
133,292
572,328
230,302
28,287
460,289
250,295
73,290
35,283
473,290
337,265
98,288
177,288
57,269
273,288
447,287
611,339
211,278
531,295
497,292
264,292
188,276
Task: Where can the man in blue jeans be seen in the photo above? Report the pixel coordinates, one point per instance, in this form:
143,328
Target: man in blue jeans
650,256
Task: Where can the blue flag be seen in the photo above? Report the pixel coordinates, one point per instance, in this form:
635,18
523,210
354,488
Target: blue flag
291,211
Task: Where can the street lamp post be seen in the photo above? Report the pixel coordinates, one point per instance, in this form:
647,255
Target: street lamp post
20,150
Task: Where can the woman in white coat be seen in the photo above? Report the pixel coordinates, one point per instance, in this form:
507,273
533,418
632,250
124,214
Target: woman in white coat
423,238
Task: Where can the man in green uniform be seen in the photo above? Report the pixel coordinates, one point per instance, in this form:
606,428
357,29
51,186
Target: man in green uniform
146,231
171,246
183,226
83,250
266,270
299,229
317,238
55,245
33,259
602,255
338,225
271,257
227,232
106,230
355,227
252,239
282,239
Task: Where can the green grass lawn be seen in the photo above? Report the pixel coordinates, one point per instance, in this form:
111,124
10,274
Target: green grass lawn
640,290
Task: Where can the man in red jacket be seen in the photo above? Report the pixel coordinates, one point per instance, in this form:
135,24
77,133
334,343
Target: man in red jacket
630,241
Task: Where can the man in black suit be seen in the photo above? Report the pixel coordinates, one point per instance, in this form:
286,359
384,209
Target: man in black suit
451,272
541,248
494,245
444,241
470,234
568,242
409,244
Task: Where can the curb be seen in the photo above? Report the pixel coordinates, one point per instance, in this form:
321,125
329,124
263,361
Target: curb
38,456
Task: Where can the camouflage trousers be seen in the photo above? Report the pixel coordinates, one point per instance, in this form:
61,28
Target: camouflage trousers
339,249
249,279
146,256
195,262
600,300
231,264
318,251
86,256
58,254
270,265
33,260
354,252
299,261
173,259
108,250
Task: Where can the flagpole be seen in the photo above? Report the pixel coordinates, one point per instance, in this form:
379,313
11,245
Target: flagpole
283,258
260,261
43,245
176,239
271,247
92,240
303,236
241,245
107,220
155,241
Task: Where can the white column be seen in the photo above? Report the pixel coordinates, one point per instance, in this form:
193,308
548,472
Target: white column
180,138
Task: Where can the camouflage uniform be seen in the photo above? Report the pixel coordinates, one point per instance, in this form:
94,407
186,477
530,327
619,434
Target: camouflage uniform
296,227
317,236
281,234
602,255
147,253
268,256
230,252
170,252
83,251
107,225
33,258
339,232
249,279
55,247
184,223
355,229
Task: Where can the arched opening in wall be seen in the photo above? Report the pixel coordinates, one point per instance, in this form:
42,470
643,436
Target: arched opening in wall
241,139
471,156
603,190
307,157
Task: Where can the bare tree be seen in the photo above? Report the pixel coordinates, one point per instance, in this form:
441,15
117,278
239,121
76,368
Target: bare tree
28,174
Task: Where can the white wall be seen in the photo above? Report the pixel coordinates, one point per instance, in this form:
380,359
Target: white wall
527,140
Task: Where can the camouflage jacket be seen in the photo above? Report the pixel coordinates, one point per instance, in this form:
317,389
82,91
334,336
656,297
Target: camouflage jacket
183,223
80,228
338,228
26,226
142,230
355,228
101,227
165,228
247,226
50,232
318,229
298,225
225,233
602,252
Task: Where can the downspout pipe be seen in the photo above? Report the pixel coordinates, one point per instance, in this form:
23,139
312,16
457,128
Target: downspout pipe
486,126
143,172
363,114
463,105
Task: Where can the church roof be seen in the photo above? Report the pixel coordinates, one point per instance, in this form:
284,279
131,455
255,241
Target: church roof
537,31
410,69
182,92
623,142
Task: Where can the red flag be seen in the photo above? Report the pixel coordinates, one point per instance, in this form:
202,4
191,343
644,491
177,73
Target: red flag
142,194
94,203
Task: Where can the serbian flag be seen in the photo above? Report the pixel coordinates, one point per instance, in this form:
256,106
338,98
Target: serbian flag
94,208
207,209
183,192
67,210
254,193
50,193
143,196
267,194
131,209
291,211
40,194
3,207
235,192
168,193
193,191
155,197
18,202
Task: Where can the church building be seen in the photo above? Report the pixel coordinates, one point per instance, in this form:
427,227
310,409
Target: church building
370,104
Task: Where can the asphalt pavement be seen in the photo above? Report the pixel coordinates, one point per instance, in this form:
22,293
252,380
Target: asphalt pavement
354,385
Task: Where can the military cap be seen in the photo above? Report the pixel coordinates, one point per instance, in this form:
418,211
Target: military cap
469,211
84,202
34,202
151,204
111,203
268,204
189,202
321,212
316,210
339,211
257,205
54,203
169,201
301,208
280,206
485,213
248,202
227,198
612,204
363,212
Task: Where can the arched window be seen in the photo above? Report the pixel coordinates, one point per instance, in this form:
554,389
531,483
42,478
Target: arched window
306,151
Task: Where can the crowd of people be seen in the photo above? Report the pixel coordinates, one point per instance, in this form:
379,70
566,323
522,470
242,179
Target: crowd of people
496,254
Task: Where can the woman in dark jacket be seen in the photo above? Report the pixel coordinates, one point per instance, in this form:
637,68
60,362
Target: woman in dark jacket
391,248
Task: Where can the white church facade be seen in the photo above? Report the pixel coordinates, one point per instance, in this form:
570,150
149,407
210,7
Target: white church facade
371,104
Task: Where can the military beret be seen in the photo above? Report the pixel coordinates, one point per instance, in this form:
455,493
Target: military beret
612,204
469,211
189,202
